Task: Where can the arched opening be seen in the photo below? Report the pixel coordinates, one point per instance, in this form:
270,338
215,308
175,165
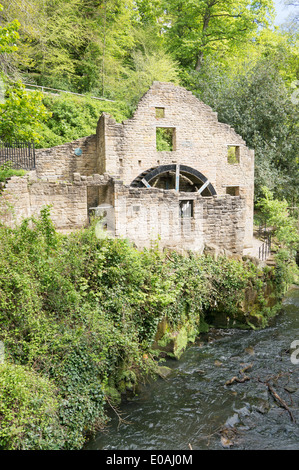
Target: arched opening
178,177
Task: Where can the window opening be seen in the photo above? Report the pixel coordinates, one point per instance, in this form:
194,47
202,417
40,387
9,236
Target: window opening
165,139
160,113
233,154
186,209
233,190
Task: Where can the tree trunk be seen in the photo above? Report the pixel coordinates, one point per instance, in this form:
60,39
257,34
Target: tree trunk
200,56
199,61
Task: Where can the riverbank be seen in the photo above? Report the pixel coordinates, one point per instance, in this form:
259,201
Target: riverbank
195,407
81,319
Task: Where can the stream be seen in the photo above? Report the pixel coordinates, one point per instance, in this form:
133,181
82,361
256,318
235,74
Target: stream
197,408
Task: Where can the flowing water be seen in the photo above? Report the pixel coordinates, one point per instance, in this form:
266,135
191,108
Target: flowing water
196,408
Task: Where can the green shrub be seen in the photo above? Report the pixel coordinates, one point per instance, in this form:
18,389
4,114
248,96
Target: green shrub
73,117
29,409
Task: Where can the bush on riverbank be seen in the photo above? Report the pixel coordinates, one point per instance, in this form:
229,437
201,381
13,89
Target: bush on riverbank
79,316
28,410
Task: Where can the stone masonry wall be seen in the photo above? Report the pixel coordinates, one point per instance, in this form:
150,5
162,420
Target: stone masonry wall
141,215
69,203
23,197
201,142
14,201
109,144
61,162
148,215
224,222
77,176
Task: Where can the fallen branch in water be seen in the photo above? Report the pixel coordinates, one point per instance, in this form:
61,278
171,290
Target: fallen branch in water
246,369
120,419
237,379
279,399
208,436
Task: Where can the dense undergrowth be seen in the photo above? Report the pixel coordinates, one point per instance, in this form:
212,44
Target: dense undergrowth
79,315
73,117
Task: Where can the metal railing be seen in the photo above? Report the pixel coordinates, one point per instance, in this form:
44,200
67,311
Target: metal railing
265,249
19,155
44,88
264,234
262,231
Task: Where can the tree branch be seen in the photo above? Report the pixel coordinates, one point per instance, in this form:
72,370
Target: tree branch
227,15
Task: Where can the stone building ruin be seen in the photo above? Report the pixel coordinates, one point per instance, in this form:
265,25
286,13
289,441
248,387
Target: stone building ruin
172,172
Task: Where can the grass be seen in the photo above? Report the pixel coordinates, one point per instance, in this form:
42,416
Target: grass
6,171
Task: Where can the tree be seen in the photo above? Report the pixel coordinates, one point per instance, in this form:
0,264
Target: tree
53,35
8,36
257,103
293,18
277,214
75,45
21,114
196,28
148,67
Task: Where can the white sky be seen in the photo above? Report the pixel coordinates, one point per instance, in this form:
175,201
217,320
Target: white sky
282,11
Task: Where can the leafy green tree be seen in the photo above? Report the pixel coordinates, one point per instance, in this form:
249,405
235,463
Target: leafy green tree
52,36
277,214
8,36
196,29
21,114
147,67
257,102
75,45
150,12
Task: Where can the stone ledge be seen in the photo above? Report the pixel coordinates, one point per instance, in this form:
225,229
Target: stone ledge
92,180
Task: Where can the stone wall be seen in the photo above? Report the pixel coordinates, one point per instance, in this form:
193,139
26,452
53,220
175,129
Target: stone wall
201,141
110,144
78,176
68,201
61,162
14,201
146,216
224,222
23,197
141,215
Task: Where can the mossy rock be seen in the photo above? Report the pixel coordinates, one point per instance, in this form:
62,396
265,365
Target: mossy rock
174,343
180,342
164,371
113,394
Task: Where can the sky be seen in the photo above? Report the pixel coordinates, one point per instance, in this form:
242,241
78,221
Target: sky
282,11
